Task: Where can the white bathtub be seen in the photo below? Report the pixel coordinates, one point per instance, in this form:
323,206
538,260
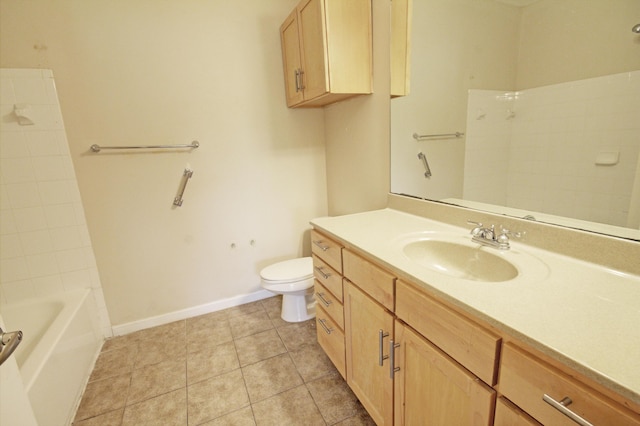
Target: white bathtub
61,340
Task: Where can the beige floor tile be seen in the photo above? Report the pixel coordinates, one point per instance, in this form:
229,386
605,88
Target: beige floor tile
155,351
247,308
206,320
293,407
334,398
112,418
103,396
166,332
211,362
312,362
216,397
362,419
156,379
252,323
114,362
207,335
259,346
242,417
120,342
296,335
169,409
270,377
273,307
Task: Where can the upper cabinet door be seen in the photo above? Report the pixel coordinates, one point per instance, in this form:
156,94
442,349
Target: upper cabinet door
334,40
315,76
290,40
400,47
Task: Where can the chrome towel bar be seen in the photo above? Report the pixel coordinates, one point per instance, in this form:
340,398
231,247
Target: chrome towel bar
440,136
98,148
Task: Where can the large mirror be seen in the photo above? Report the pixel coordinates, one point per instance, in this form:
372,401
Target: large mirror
529,108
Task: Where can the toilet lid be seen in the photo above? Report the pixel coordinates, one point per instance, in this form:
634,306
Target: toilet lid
289,270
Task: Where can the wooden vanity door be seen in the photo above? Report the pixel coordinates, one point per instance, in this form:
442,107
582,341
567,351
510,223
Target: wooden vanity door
433,389
371,382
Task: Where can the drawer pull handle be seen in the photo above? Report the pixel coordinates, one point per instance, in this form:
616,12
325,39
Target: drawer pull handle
324,301
562,407
319,244
392,358
323,323
381,357
321,272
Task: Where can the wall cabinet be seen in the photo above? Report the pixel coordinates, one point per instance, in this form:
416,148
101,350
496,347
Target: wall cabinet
327,51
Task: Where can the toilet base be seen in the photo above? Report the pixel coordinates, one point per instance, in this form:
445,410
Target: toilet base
297,308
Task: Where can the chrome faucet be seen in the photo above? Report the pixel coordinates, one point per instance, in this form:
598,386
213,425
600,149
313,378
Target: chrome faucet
488,236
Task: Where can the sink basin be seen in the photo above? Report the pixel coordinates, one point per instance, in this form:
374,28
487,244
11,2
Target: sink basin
470,262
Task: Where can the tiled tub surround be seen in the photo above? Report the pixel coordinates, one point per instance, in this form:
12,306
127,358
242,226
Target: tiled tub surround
536,149
580,314
240,366
44,241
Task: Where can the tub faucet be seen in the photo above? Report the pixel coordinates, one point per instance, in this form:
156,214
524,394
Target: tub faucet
488,237
9,341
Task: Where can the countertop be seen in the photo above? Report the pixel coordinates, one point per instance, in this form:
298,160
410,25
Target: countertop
584,315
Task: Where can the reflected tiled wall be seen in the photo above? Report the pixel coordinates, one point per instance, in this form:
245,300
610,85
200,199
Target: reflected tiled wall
44,242
557,134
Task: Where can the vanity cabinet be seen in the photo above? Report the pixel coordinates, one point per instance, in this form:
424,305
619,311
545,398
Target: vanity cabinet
508,414
529,382
327,51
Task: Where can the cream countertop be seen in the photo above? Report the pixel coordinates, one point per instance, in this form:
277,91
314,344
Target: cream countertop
582,314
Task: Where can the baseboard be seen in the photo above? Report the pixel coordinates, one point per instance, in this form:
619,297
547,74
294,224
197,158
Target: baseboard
218,305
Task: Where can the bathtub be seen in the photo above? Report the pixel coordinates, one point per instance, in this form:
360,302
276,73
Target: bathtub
61,341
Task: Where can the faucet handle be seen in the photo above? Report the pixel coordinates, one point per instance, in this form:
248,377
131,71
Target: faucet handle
509,233
477,227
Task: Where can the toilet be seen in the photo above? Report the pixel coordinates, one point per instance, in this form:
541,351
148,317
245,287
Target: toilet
293,279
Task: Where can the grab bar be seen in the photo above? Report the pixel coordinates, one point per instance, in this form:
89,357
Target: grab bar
440,136
98,148
427,170
183,185
9,341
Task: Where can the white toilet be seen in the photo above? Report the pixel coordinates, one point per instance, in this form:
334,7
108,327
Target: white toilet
293,279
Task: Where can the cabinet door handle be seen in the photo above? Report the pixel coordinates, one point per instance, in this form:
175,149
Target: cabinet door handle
324,325
321,272
319,244
324,301
297,74
381,357
562,407
392,358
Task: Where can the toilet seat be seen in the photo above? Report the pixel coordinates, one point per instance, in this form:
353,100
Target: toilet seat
288,271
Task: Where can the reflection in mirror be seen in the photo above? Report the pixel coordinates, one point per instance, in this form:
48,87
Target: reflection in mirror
545,96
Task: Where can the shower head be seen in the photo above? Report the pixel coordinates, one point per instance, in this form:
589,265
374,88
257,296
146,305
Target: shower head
636,29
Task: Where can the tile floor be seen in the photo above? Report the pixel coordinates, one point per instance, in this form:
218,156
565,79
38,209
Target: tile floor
240,366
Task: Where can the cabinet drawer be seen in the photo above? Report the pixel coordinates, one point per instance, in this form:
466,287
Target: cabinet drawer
331,339
328,277
525,379
330,304
327,249
465,341
376,282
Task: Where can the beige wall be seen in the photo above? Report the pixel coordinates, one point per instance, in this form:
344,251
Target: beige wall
357,134
149,72
577,39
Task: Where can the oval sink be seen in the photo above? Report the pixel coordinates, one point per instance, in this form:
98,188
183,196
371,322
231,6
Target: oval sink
461,261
